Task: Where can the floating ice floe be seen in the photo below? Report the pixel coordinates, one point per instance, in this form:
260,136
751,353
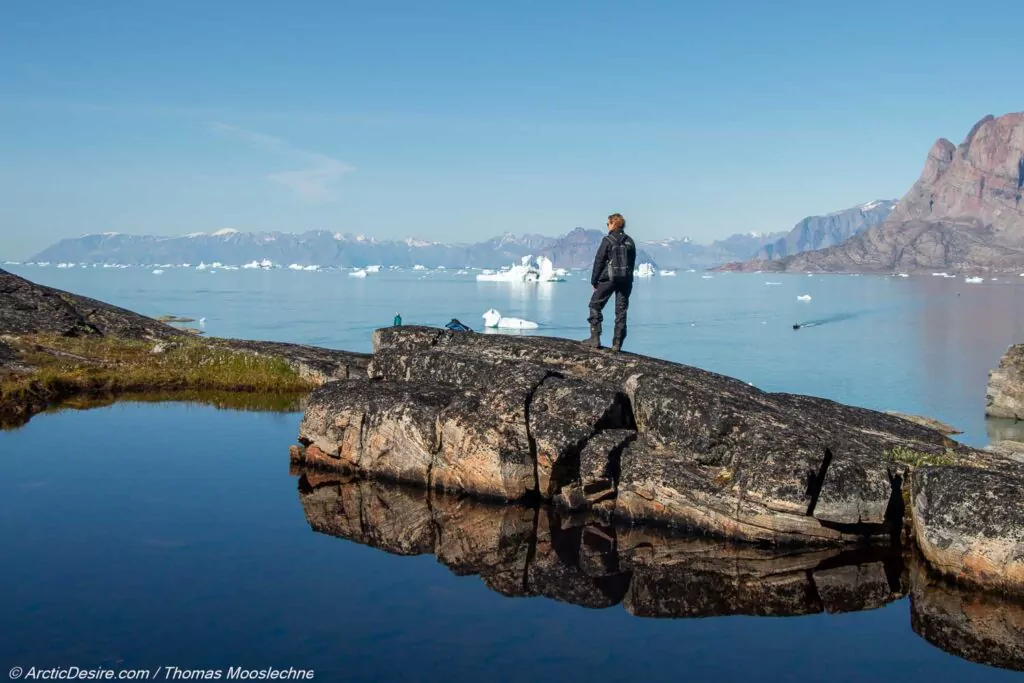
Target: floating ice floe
942,275
357,273
296,266
667,273
418,267
773,283
974,280
691,270
804,297
492,318
707,277
158,271
373,269
201,266
525,271
644,270
902,275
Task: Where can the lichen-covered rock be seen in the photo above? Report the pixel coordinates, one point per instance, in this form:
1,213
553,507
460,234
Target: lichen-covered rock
384,431
704,450
28,308
564,415
1005,394
969,523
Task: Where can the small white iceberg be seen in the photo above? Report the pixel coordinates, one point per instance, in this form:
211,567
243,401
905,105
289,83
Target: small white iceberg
773,283
644,270
418,267
158,271
492,318
373,269
707,277
902,275
357,273
804,297
668,273
201,266
974,280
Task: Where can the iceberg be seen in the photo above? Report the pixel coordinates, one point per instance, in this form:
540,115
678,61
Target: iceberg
706,277
357,273
668,273
804,297
974,280
158,271
373,269
525,271
902,275
201,266
644,270
418,267
252,265
493,318
773,283
546,270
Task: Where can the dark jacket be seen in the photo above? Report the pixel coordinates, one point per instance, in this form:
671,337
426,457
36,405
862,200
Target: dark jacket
602,271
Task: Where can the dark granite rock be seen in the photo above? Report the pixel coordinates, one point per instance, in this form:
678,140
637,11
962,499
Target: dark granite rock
28,308
708,452
969,523
1005,394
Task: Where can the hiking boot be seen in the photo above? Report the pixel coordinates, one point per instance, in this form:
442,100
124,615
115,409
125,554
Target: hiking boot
616,345
595,337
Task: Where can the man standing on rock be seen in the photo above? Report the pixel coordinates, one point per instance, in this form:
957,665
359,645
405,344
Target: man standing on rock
612,274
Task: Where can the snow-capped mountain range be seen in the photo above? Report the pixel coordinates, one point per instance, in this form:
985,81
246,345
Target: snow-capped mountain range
574,249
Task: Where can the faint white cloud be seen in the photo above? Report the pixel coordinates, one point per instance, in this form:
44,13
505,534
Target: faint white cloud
316,182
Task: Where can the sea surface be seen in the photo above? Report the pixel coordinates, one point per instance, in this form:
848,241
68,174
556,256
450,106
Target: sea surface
143,535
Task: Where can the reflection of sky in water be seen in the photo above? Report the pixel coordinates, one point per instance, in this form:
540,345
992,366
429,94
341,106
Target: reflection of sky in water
156,534
907,344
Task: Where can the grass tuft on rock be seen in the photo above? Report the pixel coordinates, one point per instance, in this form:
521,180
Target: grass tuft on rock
68,366
914,458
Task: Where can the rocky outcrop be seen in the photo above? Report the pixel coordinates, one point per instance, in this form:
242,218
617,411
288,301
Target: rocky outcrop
644,440
964,213
28,308
969,523
1005,394
533,551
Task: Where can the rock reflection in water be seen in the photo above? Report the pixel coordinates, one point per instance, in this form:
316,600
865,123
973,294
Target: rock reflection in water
983,628
523,551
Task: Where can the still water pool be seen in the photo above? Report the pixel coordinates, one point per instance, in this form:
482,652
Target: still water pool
141,535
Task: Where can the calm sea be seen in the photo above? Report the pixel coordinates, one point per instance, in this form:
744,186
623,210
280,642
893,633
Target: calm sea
141,535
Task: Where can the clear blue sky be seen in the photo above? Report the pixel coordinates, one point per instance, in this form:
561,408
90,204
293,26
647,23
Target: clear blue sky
460,120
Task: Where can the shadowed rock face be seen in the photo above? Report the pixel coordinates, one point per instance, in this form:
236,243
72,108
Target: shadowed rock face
645,440
532,551
26,308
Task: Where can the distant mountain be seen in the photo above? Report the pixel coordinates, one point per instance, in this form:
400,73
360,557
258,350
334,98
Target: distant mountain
965,212
323,248
573,250
821,232
684,253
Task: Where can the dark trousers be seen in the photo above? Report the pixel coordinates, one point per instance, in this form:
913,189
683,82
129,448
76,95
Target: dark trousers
604,291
